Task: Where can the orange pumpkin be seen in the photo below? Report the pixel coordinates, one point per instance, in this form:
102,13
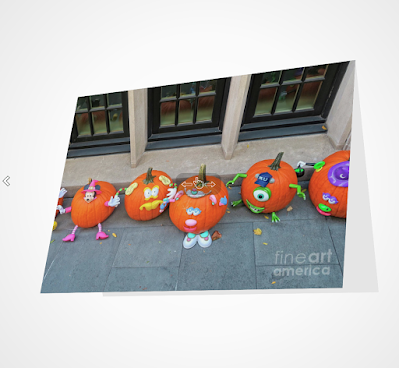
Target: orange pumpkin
91,214
276,194
60,203
145,195
328,187
202,203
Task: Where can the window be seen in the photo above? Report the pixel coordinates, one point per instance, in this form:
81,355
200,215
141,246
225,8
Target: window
100,126
290,102
186,114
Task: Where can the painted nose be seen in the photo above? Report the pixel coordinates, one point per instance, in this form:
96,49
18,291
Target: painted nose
324,208
191,222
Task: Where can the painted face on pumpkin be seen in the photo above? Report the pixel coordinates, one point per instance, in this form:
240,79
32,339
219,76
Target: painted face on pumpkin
151,193
89,196
338,175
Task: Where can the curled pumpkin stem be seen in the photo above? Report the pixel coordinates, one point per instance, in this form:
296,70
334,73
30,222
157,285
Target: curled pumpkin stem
276,163
202,173
149,178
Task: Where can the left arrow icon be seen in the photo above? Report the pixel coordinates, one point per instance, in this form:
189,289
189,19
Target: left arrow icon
5,180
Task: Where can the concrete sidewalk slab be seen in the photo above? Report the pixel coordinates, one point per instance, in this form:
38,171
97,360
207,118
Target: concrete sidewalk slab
82,265
337,227
142,279
293,238
150,247
294,277
228,264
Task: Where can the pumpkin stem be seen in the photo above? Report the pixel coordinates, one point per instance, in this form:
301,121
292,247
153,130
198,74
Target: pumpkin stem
202,173
276,163
149,178
90,181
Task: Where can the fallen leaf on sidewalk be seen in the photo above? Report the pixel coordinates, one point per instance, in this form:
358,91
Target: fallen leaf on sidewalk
289,209
323,127
216,235
273,282
304,190
52,241
114,235
258,231
228,211
265,243
101,242
266,217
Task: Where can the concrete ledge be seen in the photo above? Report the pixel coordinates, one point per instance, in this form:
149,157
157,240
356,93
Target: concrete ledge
117,169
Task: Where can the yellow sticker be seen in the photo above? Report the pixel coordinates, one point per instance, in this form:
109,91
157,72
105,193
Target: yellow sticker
164,180
132,187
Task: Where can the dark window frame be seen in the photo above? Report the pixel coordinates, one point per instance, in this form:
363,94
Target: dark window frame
306,121
184,135
103,143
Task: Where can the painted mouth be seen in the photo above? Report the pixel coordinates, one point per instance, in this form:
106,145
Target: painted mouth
253,208
322,212
151,206
190,229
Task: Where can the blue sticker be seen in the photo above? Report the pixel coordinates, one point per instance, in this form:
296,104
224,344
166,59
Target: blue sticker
263,179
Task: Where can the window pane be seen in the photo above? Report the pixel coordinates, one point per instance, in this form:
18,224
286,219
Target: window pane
187,89
205,108
292,74
207,86
168,113
97,101
270,77
82,123
186,111
286,98
99,123
81,105
114,98
168,91
115,120
308,96
317,71
265,101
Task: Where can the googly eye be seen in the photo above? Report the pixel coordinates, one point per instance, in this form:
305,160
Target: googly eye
155,192
261,195
147,193
196,211
190,211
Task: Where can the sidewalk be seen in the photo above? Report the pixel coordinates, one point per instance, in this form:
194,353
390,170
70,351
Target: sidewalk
148,256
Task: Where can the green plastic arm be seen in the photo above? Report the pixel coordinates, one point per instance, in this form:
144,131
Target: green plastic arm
236,177
298,190
236,203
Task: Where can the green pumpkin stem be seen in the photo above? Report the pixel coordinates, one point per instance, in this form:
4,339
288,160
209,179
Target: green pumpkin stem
149,178
276,163
202,173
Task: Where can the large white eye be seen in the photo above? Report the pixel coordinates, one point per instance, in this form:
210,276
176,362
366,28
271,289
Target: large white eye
155,192
147,193
261,195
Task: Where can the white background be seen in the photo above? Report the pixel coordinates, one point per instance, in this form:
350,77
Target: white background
51,53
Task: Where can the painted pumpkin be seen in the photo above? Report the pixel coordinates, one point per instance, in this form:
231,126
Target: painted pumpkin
91,214
144,196
328,186
266,189
201,202
60,203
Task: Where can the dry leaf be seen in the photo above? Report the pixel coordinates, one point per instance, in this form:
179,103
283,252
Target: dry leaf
273,282
323,127
257,231
266,217
289,209
101,242
247,145
114,235
216,235
265,243
228,211
304,190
